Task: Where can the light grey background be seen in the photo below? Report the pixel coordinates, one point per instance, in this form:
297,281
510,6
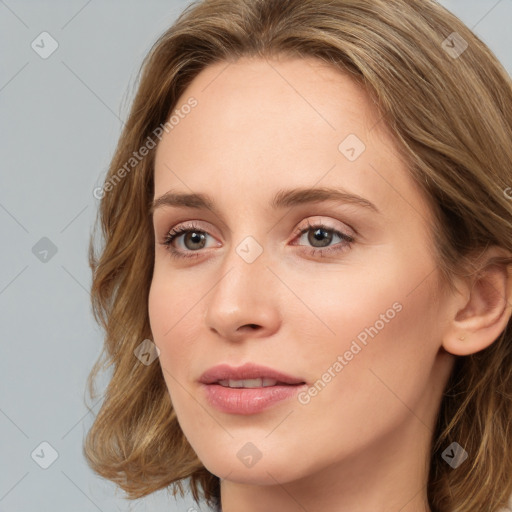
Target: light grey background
60,120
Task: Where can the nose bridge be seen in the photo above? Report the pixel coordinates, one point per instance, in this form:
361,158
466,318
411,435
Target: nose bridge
244,292
244,270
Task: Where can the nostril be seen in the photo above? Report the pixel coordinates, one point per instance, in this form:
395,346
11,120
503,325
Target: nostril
245,327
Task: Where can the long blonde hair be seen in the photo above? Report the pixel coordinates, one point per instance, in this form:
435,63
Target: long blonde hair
451,114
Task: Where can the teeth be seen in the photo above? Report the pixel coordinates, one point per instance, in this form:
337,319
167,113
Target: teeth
248,383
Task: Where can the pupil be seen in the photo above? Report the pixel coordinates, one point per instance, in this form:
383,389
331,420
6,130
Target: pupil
196,238
318,234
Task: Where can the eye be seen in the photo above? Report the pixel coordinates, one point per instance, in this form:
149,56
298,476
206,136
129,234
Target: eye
194,239
321,235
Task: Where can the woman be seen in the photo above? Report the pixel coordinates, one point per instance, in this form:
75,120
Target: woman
306,277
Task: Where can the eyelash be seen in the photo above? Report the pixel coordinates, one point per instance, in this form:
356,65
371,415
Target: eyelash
180,230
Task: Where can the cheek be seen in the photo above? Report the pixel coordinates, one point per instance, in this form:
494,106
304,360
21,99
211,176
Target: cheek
173,308
388,345
349,308
164,312
378,334
158,309
168,302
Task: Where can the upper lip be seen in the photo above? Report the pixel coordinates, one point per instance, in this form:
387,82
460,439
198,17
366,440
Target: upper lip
246,371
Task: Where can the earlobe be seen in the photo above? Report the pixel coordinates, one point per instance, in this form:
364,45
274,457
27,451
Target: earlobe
484,312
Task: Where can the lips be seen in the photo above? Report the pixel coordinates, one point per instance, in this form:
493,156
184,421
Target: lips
248,389
247,372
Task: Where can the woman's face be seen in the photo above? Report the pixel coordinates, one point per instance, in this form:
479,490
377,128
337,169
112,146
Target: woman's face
350,307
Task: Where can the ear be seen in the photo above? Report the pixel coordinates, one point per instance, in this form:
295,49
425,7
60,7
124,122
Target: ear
482,309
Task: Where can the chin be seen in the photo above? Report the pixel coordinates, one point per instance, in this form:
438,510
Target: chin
250,476
264,471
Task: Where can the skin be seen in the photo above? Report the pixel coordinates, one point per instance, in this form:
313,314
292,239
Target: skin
363,442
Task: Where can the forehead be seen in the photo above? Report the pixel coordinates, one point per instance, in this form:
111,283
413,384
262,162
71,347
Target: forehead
263,124
269,101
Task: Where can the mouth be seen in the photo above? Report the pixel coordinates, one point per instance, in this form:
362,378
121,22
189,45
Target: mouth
248,389
253,383
249,375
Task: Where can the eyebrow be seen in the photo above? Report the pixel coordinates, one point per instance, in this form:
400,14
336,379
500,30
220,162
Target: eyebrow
282,199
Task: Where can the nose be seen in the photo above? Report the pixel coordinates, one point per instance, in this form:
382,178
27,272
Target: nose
244,302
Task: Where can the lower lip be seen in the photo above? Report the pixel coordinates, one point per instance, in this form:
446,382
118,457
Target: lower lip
248,400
